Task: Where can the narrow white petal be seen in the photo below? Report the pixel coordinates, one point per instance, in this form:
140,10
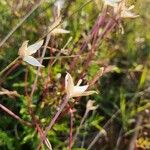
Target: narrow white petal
60,31
128,14
77,90
34,47
31,60
69,85
86,93
54,25
131,7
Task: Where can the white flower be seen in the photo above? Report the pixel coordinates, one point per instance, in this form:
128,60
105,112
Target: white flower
55,28
89,105
76,90
112,3
26,51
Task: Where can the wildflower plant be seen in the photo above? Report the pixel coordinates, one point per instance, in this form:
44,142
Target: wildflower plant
76,90
44,100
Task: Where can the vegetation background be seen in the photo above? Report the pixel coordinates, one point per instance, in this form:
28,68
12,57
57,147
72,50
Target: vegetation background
124,88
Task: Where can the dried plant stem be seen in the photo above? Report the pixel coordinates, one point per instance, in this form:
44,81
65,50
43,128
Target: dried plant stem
10,65
15,116
21,22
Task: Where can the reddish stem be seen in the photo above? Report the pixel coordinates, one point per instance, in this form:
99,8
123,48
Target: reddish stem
15,116
71,127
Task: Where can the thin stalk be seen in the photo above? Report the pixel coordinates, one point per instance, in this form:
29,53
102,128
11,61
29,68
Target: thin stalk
57,57
41,60
71,127
10,65
56,115
42,136
55,118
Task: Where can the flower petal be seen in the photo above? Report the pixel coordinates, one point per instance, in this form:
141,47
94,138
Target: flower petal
79,82
88,93
128,14
78,90
60,31
31,60
131,7
34,47
69,85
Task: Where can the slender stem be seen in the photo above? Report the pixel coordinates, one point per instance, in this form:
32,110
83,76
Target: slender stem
41,60
57,57
42,136
71,126
11,64
56,115
55,118
15,116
